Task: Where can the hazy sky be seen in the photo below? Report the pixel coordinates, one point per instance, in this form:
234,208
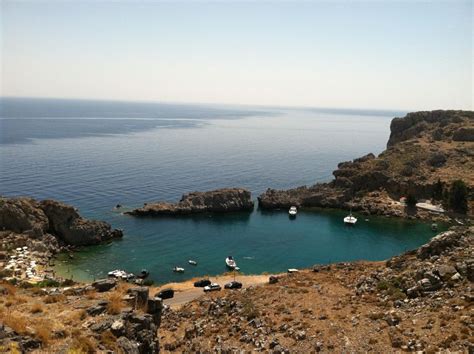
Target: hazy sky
375,54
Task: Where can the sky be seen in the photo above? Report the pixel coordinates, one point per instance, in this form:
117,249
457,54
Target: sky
406,55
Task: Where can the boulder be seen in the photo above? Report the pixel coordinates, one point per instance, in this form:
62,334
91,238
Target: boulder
104,284
128,346
140,295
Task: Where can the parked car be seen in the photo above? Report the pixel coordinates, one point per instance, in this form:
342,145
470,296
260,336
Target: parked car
212,287
233,285
166,293
202,283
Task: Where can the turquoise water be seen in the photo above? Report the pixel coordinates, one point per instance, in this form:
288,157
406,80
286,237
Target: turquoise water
260,242
94,155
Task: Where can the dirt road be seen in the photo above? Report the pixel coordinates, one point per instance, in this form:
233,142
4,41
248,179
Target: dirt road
186,292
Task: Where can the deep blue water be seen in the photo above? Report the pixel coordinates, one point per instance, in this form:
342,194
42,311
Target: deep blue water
94,155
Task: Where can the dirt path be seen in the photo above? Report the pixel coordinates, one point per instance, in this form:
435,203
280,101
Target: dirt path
186,292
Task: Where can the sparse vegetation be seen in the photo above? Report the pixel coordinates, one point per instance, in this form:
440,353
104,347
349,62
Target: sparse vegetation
457,199
115,304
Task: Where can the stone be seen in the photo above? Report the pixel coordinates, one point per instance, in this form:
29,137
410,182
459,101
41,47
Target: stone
118,328
104,285
96,310
446,272
140,294
273,279
128,346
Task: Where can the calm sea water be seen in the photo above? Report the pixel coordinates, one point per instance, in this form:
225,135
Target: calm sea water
97,154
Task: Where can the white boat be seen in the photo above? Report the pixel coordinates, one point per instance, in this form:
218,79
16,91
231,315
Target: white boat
178,270
117,273
293,211
192,262
350,220
230,262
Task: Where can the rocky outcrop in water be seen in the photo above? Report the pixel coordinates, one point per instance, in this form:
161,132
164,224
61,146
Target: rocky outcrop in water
43,220
217,201
426,151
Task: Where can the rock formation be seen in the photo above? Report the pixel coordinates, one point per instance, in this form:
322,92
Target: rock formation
425,150
51,220
217,201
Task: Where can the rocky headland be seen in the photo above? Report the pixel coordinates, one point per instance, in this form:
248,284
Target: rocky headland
217,201
425,153
42,229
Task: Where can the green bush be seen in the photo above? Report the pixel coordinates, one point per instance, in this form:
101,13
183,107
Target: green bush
457,198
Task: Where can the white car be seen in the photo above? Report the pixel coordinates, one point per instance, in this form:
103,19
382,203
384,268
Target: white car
212,287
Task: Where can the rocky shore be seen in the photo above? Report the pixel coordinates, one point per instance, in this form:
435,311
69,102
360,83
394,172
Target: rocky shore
425,153
36,230
217,201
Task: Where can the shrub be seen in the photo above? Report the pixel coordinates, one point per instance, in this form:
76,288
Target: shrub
51,299
115,304
457,198
43,332
249,309
15,321
37,308
48,283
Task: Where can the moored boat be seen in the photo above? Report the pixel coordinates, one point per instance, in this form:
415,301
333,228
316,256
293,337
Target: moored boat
293,211
192,262
350,220
230,263
178,270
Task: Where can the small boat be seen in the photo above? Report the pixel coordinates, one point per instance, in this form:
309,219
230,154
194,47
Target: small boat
178,270
434,227
192,262
293,270
350,220
143,274
230,263
117,273
459,221
293,211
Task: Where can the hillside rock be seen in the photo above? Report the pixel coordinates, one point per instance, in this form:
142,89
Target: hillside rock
40,220
425,153
66,223
217,201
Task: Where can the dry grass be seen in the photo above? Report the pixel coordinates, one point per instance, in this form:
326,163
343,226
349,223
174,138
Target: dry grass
115,303
43,331
51,299
37,307
82,344
15,321
9,287
109,340
91,294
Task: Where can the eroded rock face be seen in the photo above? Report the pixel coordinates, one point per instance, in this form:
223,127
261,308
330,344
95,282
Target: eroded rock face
42,219
22,214
66,223
217,201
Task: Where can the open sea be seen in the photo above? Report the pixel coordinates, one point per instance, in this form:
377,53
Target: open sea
96,154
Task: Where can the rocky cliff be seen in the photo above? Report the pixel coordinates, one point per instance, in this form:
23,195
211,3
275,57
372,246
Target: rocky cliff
217,201
426,151
51,220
